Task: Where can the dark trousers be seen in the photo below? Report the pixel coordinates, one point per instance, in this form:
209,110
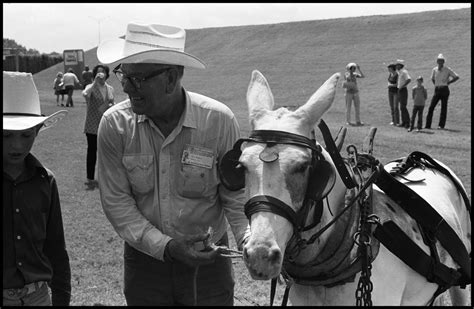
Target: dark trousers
91,154
151,282
393,102
440,93
403,99
70,91
417,110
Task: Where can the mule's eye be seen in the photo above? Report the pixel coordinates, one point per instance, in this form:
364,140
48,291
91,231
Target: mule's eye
240,166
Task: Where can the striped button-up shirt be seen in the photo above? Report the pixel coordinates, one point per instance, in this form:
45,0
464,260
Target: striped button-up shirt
150,192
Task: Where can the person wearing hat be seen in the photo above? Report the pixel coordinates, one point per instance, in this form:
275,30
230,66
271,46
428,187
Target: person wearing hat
441,76
34,249
403,80
352,92
158,177
393,94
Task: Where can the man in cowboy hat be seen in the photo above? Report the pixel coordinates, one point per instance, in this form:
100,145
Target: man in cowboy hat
34,249
440,76
158,177
403,80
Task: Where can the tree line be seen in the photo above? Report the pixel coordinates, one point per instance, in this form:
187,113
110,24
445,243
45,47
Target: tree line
29,60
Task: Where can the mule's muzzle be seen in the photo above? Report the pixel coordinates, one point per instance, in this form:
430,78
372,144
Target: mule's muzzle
263,261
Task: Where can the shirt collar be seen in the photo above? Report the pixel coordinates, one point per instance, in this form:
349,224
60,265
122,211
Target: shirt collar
188,114
33,166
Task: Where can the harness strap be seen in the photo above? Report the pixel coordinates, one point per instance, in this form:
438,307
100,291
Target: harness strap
418,155
419,209
273,290
284,301
336,156
392,237
270,204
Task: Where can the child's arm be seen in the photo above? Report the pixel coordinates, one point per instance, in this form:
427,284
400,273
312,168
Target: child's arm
55,250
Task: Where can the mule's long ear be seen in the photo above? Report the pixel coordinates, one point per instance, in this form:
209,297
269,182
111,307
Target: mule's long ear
320,101
259,96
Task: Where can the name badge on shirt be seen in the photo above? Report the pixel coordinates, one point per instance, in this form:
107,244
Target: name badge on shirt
198,156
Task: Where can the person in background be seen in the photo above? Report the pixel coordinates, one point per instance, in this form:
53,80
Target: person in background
403,80
352,92
441,76
34,248
158,174
58,86
87,77
99,97
393,94
70,80
419,95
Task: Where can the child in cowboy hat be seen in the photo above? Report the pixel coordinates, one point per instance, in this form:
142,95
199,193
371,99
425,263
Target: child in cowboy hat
158,177
34,249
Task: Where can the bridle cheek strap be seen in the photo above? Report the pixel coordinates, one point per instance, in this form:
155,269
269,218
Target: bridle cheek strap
266,203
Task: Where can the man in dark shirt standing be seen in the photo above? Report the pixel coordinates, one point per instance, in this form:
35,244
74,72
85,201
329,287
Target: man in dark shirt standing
34,249
87,77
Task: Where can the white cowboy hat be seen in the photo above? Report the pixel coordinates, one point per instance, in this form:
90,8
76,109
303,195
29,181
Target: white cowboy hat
400,62
350,65
149,44
440,56
21,105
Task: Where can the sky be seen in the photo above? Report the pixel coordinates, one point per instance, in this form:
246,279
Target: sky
54,27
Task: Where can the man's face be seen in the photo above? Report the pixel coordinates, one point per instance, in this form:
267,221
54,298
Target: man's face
17,145
145,96
440,62
398,67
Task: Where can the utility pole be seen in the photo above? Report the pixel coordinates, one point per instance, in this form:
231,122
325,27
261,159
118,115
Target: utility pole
98,21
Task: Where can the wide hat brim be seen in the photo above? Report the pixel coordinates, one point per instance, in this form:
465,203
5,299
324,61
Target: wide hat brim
24,122
114,51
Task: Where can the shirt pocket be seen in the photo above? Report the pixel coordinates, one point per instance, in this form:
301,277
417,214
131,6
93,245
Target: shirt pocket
193,181
140,172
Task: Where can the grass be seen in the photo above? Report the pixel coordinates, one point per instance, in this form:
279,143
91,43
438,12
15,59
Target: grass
296,58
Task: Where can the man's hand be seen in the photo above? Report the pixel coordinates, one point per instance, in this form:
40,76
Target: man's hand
182,249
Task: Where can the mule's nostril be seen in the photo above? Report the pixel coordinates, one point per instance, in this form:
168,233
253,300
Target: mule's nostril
274,256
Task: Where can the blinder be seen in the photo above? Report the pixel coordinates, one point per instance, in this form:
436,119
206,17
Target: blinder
322,174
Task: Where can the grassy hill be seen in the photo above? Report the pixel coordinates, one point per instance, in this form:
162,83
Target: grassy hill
296,59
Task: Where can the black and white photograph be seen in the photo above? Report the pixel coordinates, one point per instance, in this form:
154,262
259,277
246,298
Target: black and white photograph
237,154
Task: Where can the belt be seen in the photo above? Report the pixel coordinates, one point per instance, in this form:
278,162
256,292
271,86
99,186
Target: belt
441,86
21,292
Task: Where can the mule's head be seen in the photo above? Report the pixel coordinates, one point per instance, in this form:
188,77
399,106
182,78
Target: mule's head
277,170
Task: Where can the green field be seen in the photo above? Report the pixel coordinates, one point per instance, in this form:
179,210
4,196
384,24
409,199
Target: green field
296,59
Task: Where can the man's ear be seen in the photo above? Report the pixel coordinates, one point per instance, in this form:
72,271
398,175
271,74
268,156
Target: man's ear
172,82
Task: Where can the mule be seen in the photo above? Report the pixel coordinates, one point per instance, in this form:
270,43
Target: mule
283,171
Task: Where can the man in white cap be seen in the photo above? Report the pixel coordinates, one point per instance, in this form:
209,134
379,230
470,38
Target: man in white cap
403,80
441,76
34,249
157,171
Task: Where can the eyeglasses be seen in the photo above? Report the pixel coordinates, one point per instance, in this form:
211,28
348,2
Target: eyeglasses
135,80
